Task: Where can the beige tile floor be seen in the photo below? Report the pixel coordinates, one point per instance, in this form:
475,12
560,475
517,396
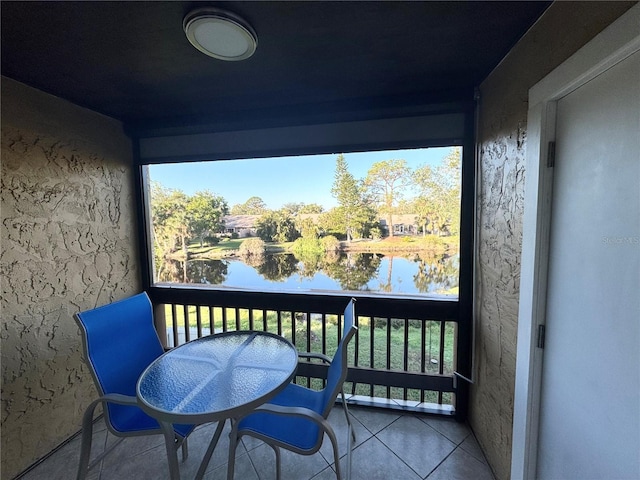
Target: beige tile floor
390,445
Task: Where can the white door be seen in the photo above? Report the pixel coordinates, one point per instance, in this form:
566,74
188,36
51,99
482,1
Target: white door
590,392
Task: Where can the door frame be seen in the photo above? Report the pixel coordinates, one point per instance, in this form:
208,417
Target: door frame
617,42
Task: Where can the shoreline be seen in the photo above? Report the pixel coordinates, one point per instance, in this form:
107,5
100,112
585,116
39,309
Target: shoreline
383,248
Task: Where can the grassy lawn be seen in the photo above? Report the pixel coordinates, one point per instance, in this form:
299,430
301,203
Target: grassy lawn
230,245
301,326
408,242
226,245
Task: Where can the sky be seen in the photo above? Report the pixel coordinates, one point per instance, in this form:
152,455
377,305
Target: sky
296,179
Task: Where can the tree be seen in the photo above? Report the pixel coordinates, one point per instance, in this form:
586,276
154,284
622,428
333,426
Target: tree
277,226
292,208
253,206
366,221
332,223
267,227
311,208
307,227
169,220
439,189
386,181
452,176
425,212
348,195
205,213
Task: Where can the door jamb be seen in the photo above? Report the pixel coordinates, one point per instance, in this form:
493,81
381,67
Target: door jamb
618,41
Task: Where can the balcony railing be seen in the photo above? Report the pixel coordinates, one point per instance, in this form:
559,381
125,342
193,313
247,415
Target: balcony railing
399,361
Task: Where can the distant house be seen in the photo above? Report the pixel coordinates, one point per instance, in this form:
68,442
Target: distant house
243,225
404,224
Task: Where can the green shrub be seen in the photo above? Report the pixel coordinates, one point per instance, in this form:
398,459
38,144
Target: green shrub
396,323
211,240
306,245
330,243
252,247
432,242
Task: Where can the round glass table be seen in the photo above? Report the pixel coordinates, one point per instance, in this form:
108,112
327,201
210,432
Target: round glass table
214,378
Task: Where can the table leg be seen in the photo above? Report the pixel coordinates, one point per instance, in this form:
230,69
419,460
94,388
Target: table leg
233,444
172,451
212,445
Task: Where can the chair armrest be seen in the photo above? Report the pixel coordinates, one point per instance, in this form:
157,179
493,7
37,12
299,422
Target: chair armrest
314,356
292,412
87,418
119,399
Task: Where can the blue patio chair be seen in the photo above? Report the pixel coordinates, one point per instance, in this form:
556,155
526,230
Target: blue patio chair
296,419
119,342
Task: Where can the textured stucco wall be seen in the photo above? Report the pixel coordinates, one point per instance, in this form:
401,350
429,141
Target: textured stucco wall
563,29
68,244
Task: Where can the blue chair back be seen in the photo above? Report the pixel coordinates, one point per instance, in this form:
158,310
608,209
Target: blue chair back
120,341
337,372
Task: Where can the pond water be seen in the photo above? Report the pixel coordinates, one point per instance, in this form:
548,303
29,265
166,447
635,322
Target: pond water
370,272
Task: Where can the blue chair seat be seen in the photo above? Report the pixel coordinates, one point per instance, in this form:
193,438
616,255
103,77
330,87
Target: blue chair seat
296,431
125,419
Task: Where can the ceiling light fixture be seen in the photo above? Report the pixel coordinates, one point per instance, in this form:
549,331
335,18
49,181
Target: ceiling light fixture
220,34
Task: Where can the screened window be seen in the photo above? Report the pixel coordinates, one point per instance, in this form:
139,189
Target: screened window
374,222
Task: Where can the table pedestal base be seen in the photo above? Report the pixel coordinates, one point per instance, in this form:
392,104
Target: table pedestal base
172,451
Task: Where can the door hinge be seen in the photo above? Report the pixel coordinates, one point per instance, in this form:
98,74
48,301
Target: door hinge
551,155
541,335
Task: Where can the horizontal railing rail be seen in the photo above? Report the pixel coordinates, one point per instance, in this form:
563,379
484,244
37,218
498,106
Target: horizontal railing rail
404,350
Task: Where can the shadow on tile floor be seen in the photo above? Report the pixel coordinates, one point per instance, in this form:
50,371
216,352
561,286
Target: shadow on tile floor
390,444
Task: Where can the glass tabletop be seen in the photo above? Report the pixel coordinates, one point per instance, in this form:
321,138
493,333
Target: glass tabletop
218,376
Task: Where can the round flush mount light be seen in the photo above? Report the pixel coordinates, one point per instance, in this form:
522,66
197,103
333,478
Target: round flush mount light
220,34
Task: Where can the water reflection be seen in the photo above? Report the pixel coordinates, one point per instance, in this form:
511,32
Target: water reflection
353,271
419,273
